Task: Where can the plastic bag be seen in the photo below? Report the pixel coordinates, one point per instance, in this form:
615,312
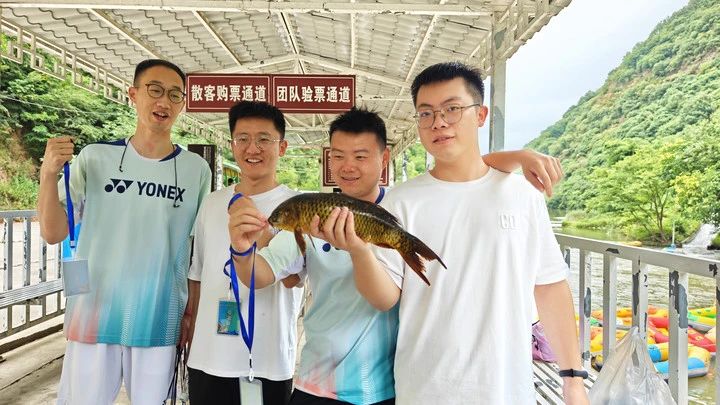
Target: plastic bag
540,346
628,377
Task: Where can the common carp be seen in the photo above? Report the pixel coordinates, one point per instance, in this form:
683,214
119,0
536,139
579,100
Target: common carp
373,224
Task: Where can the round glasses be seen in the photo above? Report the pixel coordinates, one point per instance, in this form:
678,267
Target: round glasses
261,142
156,91
451,114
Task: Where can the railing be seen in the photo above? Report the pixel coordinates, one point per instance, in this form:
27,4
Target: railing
29,284
678,268
30,289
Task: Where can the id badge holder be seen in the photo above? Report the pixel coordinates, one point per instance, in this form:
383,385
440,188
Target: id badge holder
228,319
75,274
76,277
251,391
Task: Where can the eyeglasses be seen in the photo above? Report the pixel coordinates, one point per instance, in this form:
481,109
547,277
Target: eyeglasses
261,142
157,91
450,114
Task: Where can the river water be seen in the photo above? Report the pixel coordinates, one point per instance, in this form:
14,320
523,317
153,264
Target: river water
700,291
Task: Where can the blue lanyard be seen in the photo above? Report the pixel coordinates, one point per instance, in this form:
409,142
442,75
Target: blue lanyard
70,209
249,332
380,196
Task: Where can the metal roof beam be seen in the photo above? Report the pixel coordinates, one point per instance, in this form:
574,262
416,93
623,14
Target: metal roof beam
521,20
349,70
205,23
297,121
420,50
291,39
353,38
22,41
316,128
379,97
250,67
105,18
266,6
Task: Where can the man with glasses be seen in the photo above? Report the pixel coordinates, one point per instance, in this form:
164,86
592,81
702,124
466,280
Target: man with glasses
349,344
218,356
138,198
465,338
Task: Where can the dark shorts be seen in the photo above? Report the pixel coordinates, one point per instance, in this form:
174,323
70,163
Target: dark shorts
303,398
206,389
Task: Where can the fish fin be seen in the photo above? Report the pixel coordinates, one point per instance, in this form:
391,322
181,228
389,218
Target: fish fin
423,250
412,259
385,215
300,240
415,262
417,252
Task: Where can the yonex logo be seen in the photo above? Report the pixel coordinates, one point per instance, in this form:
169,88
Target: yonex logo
146,188
119,185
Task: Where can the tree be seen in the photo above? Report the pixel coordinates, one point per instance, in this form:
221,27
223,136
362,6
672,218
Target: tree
638,190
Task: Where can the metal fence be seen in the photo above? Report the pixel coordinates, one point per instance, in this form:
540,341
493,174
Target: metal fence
30,278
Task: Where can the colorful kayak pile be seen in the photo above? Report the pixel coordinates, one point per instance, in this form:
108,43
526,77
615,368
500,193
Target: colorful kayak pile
701,337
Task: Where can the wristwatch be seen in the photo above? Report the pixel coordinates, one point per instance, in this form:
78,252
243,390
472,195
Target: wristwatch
573,373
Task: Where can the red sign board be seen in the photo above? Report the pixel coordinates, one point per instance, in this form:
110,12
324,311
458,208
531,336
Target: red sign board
329,181
290,93
217,93
313,94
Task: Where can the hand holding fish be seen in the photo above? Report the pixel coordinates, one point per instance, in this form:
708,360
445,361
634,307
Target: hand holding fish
338,230
246,224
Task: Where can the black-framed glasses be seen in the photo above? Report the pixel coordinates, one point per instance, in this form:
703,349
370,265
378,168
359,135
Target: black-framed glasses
451,114
261,142
156,91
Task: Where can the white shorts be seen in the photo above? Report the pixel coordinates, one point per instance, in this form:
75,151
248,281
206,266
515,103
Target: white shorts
92,373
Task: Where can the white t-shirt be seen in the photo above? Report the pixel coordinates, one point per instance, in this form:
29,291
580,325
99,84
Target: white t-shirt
466,338
276,307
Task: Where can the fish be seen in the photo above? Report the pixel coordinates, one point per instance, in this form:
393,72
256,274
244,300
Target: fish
373,224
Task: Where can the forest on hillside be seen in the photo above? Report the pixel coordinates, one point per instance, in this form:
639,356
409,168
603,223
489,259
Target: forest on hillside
641,152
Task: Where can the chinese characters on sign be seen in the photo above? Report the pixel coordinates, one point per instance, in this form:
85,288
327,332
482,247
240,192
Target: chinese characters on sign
290,93
319,94
217,93
329,181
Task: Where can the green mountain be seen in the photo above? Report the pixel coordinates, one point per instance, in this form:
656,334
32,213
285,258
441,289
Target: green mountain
643,150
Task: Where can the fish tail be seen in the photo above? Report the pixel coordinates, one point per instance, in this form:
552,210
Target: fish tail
416,253
415,262
423,250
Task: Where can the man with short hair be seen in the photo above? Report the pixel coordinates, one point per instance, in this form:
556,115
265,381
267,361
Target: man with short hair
138,198
469,331
218,358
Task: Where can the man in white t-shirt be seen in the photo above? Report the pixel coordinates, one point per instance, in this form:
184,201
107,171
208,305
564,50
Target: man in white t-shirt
465,338
218,354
